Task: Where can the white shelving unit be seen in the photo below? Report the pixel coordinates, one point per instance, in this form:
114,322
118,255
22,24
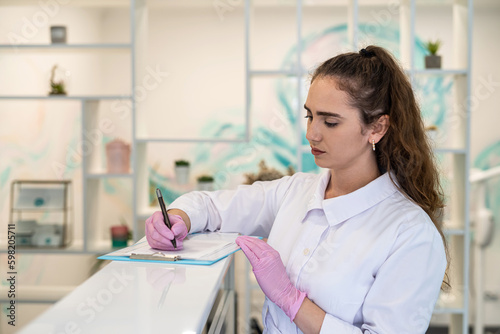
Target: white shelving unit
93,239
454,303
91,175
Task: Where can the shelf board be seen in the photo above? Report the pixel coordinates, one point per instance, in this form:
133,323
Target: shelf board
61,46
277,72
453,231
450,302
450,150
74,3
40,209
435,3
66,97
189,140
76,247
145,213
102,247
255,4
440,72
105,175
272,4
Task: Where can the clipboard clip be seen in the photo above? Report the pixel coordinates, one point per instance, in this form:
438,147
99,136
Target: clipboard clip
158,256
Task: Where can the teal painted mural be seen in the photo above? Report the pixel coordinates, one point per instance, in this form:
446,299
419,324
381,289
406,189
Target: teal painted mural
279,148
274,121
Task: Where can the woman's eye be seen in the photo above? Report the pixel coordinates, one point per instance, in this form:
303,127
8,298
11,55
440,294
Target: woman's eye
330,125
308,117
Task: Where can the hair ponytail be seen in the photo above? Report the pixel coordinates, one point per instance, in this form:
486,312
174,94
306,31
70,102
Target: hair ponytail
377,85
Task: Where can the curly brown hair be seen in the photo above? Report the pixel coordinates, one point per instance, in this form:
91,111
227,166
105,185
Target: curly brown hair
377,85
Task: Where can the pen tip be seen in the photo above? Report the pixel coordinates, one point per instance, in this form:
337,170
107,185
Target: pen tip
158,192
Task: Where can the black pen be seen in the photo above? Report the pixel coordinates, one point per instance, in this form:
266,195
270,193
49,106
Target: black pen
164,211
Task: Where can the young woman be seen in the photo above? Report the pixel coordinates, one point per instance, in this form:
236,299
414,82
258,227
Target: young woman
357,248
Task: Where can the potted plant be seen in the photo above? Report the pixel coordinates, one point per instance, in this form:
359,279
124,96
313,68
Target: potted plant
120,234
266,173
431,132
433,60
205,182
57,84
182,171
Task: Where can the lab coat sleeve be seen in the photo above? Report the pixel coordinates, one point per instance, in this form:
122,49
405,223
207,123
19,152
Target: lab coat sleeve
406,286
249,209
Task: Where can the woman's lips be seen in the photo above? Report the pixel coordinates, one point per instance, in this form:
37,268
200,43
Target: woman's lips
315,151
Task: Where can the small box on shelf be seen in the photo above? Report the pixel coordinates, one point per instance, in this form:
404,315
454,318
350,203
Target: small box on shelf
40,212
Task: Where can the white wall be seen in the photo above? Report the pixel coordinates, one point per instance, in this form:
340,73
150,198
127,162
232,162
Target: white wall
203,55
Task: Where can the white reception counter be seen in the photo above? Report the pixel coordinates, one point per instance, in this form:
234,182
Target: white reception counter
141,297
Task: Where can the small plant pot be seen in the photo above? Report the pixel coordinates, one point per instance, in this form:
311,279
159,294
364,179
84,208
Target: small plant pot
58,34
206,186
119,236
432,61
432,135
182,174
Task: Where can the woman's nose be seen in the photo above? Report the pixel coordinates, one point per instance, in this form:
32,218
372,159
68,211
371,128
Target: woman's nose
312,133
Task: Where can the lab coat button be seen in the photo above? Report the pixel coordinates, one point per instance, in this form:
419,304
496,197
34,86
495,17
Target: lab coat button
306,251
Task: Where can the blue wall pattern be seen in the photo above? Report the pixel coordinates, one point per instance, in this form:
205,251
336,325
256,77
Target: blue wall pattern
279,151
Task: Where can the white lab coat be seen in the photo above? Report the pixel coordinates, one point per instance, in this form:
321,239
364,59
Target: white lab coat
371,259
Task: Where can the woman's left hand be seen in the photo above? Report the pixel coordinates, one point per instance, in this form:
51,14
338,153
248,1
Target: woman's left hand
271,275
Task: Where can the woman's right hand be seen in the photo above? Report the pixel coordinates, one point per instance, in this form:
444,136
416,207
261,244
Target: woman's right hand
159,236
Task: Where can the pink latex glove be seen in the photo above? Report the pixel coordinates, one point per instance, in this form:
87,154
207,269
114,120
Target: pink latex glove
271,275
160,236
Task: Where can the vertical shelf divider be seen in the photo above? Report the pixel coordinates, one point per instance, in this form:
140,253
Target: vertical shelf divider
139,16
407,32
141,175
298,71
353,24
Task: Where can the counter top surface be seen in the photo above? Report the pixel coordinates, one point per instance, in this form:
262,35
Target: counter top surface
137,297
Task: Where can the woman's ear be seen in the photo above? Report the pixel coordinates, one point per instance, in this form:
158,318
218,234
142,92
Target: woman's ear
379,128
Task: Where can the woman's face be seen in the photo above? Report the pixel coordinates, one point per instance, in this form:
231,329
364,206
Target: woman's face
334,128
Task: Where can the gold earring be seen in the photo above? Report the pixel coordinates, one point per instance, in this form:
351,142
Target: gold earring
373,144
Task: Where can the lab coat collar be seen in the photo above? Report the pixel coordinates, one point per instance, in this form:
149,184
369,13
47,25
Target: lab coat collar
341,208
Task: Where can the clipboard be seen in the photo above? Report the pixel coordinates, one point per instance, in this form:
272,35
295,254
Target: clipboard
199,249
158,256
